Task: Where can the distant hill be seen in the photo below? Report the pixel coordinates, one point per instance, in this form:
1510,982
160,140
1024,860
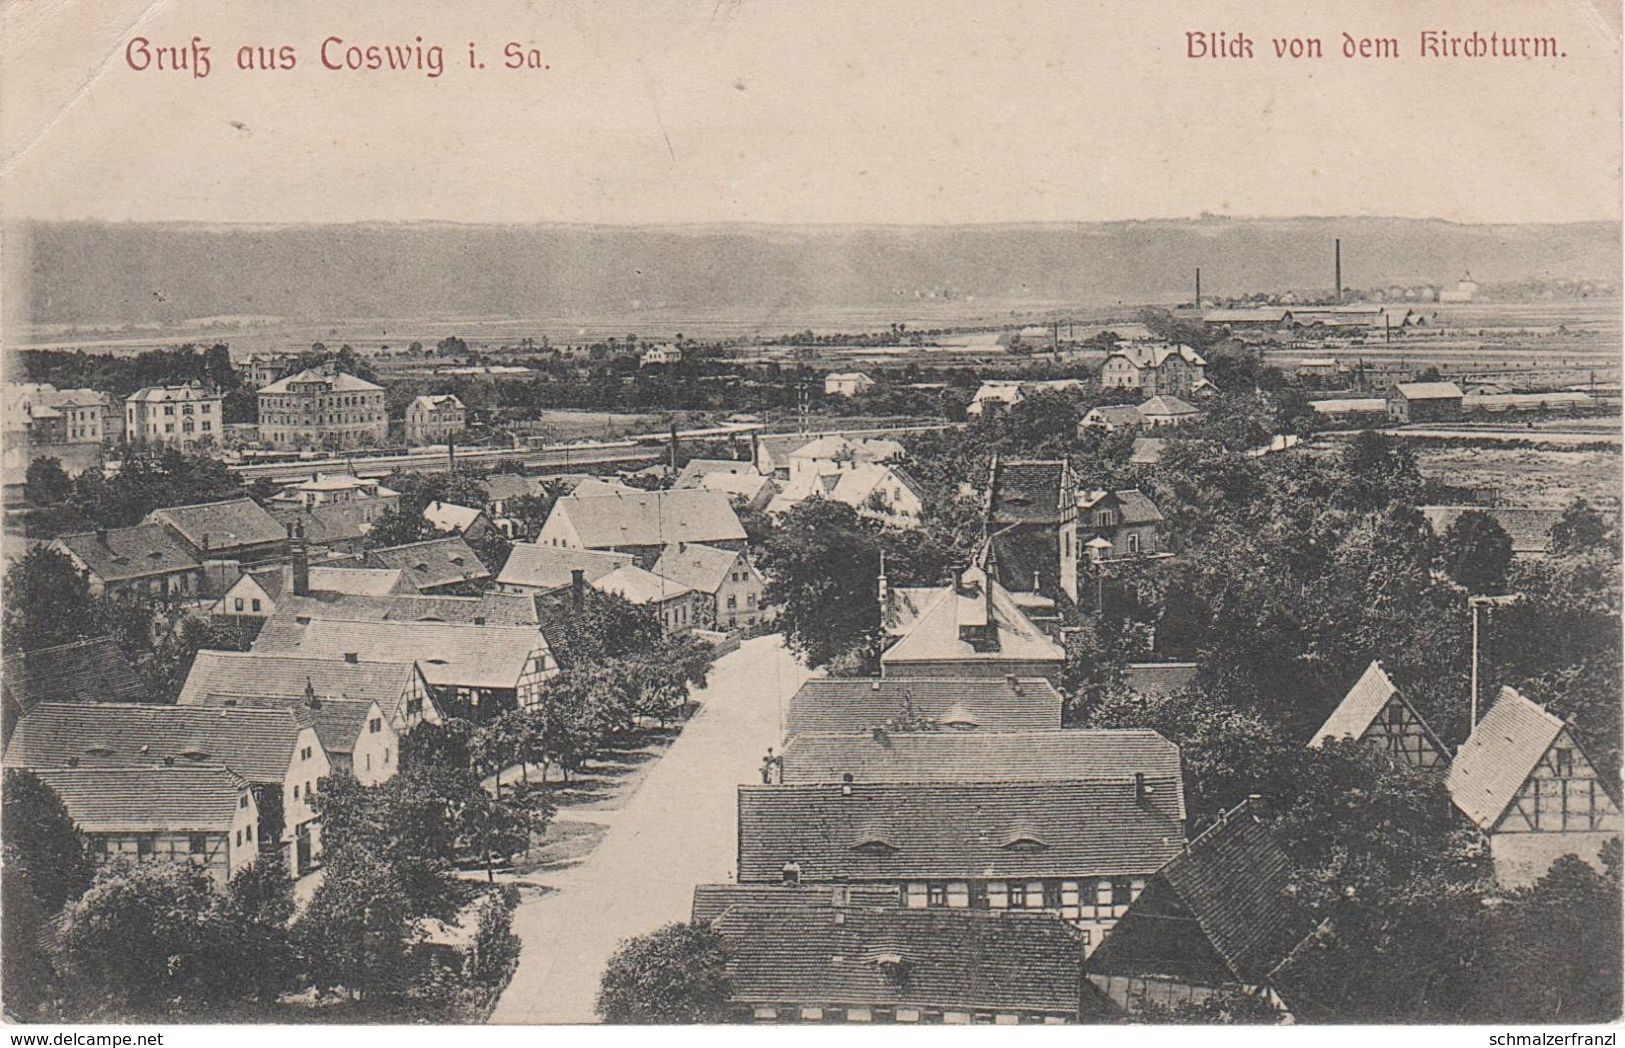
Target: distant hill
85,272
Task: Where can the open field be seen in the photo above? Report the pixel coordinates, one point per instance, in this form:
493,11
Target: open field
1527,476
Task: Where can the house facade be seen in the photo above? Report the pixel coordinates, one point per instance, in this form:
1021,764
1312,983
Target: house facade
322,407
1154,368
1032,512
435,419
847,384
1376,713
642,523
727,586
1127,520
145,559
203,815
1425,402
398,687
184,417
972,627
1524,780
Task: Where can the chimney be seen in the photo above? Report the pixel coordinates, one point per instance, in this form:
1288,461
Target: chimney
1141,793
884,590
578,588
790,875
301,570
205,542
101,535
352,657
1337,269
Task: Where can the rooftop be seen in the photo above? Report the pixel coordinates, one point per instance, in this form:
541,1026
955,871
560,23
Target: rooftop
550,567
433,562
886,831
89,670
285,676
152,799
1428,390
340,382
450,655
222,525
119,554
697,566
1497,758
848,704
651,518
639,586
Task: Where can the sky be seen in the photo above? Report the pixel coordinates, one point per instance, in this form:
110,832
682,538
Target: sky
792,112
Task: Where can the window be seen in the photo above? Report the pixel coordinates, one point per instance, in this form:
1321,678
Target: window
256,603
242,802
238,604
958,895
304,755
936,895
296,791
1122,891
386,756
1563,762
375,726
915,897
733,602
145,845
239,838
248,832
369,762
1134,543
199,843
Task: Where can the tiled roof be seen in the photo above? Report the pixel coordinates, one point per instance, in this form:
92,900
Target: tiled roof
1359,707
1497,758
1232,882
1114,415
338,722
360,582
256,744
747,486
1428,390
712,900
152,799
1146,450
343,382
120,554
947,755
284,676
448,516
216,526
549,567
935,636
887,831
651,518
848,704
1133,505
506,486
89,670
333,523
834,446
696,565
1163,405
433,562
1158,678
699,468
1031,492
450,655
639,586
955,960
1529,528
495,609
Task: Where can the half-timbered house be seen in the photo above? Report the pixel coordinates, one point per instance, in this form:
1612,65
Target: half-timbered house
1375,711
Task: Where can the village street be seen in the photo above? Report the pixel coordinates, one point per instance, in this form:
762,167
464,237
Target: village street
676,830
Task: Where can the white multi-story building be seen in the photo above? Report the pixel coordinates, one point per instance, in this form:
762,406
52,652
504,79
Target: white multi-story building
185,417
432,419
323,407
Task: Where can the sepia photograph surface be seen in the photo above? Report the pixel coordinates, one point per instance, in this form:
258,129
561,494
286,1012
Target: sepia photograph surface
807,513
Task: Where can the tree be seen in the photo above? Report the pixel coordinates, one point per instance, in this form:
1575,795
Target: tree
822,567
148,940
397,527
47,602
46,866
1580,529
1476,551
676,974
357,934
45,482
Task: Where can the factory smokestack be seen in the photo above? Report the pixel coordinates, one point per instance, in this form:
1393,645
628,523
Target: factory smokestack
1337,270
1198,287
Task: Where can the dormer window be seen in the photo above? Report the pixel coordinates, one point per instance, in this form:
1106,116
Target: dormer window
1024,842
99,750
873,844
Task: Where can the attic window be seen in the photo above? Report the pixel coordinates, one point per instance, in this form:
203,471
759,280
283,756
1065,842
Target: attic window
420,566
436,662
1023,841
99,749
874,845
457,560
195,754
1016,500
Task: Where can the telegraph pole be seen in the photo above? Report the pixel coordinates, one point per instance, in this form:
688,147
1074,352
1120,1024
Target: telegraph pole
1475,602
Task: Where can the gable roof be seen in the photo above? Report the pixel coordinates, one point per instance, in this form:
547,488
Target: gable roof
256,744
1364,701
152,799
506,486
221,525
490,608
748,486
697,566
284,676
886,831
433,562
849,704
449,654
651,518
1529,527
1030,491
957,960
1113,415
1428,390
549,567
89,670
639,586
1233,882
1133,505
341,382
332,522
338,722
696,469
1052,755
1162,405
835,446
935,635
359,582
121,554
1497,758
713,900
448,516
